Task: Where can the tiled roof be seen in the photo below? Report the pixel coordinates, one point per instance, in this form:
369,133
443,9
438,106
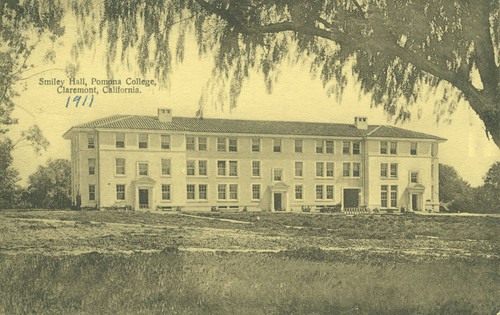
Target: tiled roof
212,125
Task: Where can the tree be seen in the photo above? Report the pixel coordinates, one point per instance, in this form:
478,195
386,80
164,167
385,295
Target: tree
454,190
50,186
492,177
8,175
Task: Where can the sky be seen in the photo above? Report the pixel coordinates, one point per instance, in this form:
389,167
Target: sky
295,97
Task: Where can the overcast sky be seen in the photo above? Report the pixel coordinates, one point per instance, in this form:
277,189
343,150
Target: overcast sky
296,97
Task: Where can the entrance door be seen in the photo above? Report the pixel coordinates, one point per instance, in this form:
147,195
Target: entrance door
277,201
351,198
414,202
143,199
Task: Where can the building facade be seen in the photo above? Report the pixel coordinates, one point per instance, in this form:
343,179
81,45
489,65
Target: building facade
165,162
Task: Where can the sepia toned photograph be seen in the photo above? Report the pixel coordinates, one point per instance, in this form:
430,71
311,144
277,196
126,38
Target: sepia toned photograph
249,157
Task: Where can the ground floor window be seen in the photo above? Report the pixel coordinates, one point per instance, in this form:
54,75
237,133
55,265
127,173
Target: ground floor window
394,196
202,191
299,192
120,192
190,192
256,192
91,192
233,191
383,196
221,191
165,192
320,192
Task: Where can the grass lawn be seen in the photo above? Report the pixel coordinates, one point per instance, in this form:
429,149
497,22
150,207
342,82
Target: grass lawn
91,262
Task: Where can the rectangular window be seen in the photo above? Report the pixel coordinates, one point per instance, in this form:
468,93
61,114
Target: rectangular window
394,196
233,191
394,148
120,166
190,167
276,145
202,168
356,167
414,177
413,148
255,145
383,196
221,191
165,142
346,147
383,170
278,174
91,192
91,142
320,170
394,170
143,141
383,147
190,188
329,192
255,192
233,145
319,146
202,192
165,166
330,169
256,168
356,147
329,146
91,166
221,168
221,144
143,168
346,170
298,146
190,143
165,192
319,192
299,192
233,168
120,192
120,140
202,143
299,169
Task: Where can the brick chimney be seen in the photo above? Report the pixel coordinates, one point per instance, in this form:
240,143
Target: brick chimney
165,114
360,122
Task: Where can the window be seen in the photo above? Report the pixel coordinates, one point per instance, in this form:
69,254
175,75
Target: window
383,196
346,170
143,168
202,191
143,141
190,191
233,145
394,148
329,192
319,146
91,166
320,170
202,168
414,177
255,145
356,147
330,169
356,167
278,174
255,192
221,144
298,146
91,142
91,192
256,168
202,143
413,148
233,191
383,170
221,191
394,196
299,192
346,147
233,168
190,167
165,192
120,166
329,146
120,140
190,143
221,168
277,145
165,166
120,192
299,169
165,142
319,192
383,147
394,170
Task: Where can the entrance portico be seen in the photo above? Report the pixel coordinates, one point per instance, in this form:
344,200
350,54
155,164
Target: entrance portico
415,197
143,191
279,196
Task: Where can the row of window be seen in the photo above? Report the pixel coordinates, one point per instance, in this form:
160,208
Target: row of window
391,147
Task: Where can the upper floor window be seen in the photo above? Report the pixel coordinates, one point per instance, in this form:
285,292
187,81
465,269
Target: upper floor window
190,167
221,168
233,145
356,169
298,146
91,166
276,145
383,147
165,166
233,168
90,142
414,177
413,148
143,168
322,166
120,192
394,170
202,168
143,141
329,146
165,142
383,170
202,143
120,140
299,169
277,174
221,144
319,146
346,147
356,147
256,168
255,145
394,147
330,169
346,170
320,169
190,143
120,166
